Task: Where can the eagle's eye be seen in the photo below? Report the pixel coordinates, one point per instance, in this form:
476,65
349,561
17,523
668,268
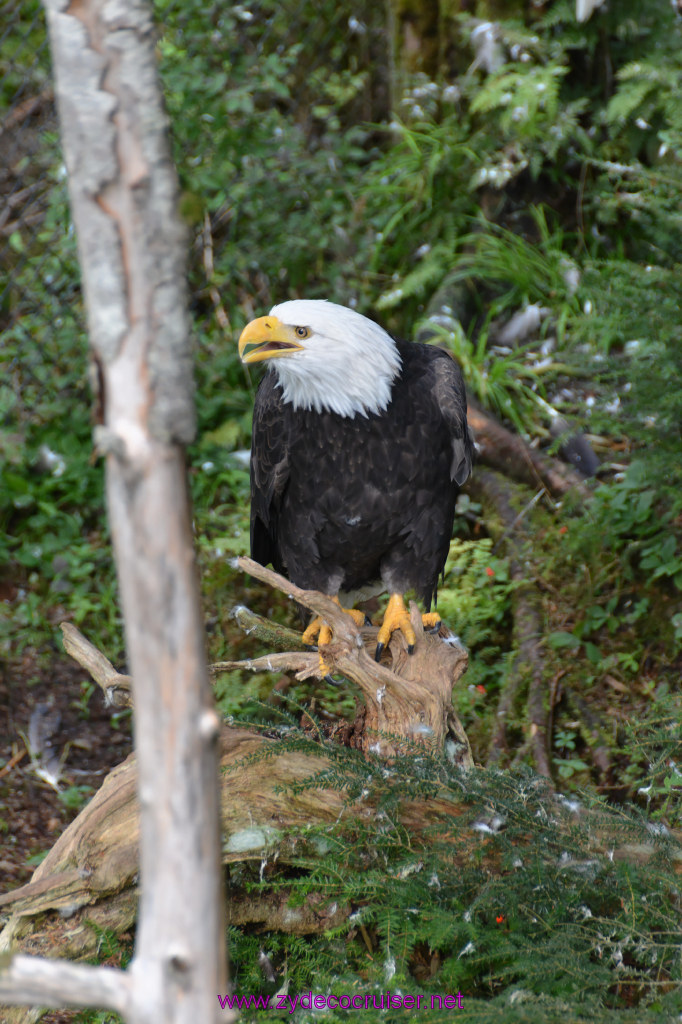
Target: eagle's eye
302,332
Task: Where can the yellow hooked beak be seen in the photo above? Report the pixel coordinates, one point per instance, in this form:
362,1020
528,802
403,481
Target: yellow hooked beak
267,337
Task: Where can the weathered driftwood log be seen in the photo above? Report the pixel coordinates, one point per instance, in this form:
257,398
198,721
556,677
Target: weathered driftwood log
88,880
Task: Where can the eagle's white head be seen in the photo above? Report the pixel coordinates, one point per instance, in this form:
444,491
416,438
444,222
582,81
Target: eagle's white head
327,357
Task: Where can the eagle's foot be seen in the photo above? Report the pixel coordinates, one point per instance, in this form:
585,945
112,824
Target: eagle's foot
431,621
320,633
396,616
317,634
313,632
358,617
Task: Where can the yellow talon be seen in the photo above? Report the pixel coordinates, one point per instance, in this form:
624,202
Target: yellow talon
430,620
320,632
396,616
312,631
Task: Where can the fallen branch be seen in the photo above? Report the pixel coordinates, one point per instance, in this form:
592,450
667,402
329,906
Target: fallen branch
48,983
116,687
312,917
272,634
528,631
498,448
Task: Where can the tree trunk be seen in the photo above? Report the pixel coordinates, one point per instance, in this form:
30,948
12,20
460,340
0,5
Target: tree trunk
123,192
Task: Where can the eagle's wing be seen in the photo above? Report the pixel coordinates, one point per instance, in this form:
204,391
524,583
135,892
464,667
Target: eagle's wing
450,395
269,471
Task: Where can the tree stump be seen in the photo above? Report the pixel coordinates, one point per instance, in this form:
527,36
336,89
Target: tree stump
406,703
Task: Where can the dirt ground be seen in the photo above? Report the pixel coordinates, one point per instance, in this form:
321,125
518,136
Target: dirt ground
74,726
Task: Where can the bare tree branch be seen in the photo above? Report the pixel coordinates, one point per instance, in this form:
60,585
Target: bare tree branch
53,983
410,701
116,687
271,633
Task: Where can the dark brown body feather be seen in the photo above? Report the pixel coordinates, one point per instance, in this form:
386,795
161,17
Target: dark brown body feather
341,502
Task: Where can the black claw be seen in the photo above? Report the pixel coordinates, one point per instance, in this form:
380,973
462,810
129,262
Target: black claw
379,651
410,648
310,647
329,679
368,621
436,629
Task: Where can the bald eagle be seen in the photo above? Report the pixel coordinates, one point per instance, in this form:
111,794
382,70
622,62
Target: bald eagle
360,445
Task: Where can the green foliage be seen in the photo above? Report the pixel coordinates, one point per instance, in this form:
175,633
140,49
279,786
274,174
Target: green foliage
415,208
567,765
629,514
74,798
515,271
475,589
112,952
618,569
560,923
51,493
81,705
525,99
474,600
235,695
653,749
497,380
98,1017
321,205
651,90
281,184
629,339
23,54
531,115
